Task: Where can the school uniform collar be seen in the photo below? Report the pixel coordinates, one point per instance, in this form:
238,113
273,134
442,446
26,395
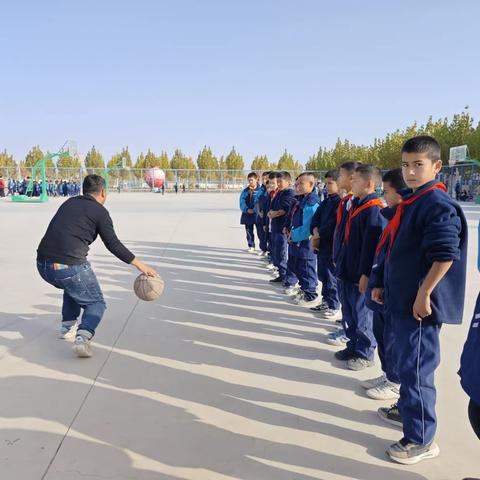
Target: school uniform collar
369,197
406,193
388,212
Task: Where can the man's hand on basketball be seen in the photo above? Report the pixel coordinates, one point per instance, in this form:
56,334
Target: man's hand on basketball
145,269
422,307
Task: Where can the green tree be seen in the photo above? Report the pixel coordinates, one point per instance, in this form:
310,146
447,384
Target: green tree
286,162
116,164
186,170
206,160
94,162
31,159
234,161
260,163
8,166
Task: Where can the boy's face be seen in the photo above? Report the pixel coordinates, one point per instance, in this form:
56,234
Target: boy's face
272,184
252,182
362,186
264,179
304,185
331,186
345,180
282,183
391,195
418,169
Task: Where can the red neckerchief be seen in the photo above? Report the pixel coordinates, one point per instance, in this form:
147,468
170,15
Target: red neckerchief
272,194
394,224
374,202
344,200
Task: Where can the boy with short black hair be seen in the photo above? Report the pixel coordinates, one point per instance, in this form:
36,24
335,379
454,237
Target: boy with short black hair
272,191
424,280
261,213
301,256
362,231
323,228
344,181
248,201
280,206
387,386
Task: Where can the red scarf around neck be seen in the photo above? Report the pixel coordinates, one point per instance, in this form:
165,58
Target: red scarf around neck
394,224
344,200
374,202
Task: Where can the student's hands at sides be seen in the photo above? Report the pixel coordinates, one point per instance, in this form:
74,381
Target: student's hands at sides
145,269
422,307
377,295
363,284
250,211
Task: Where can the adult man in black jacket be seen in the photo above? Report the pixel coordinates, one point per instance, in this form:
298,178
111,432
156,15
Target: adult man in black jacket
62,259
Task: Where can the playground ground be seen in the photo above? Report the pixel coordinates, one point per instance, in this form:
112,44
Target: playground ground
221,379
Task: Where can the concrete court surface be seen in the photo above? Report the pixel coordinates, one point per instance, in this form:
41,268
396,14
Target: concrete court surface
220,379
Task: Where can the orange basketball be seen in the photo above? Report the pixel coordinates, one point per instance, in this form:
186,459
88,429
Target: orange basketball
148,288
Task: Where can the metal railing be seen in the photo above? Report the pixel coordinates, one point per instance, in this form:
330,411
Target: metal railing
468,176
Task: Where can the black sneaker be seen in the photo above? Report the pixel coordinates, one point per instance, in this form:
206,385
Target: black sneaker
408,453
276,280
339,323
391,415
344,354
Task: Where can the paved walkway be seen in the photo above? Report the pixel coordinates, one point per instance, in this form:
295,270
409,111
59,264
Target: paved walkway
221,379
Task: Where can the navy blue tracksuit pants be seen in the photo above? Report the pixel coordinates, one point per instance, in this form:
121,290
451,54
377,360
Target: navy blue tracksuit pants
325,269
250,235
358,321
262,235
280,253
418,353
383,331
305,270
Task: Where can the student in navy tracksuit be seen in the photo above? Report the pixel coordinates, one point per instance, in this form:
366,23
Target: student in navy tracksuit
280,206
387,386
301,256
322,229
345,176
470,362
424,280
261,214
248,206
271,190
362,231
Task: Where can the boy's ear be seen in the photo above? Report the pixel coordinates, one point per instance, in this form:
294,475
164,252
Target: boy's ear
438,166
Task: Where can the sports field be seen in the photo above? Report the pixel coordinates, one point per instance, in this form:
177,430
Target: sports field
221,378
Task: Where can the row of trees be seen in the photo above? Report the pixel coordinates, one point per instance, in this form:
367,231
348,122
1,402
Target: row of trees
384,152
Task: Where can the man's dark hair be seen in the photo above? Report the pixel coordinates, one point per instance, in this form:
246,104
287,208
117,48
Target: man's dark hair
333,174
285,175
370,172
93,184
423,144
252,175
395,178
272,175
351,166
266,174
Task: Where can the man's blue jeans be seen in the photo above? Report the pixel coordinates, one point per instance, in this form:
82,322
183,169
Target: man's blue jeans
80,290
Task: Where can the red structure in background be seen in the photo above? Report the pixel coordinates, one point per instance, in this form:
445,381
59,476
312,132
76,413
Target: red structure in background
155,177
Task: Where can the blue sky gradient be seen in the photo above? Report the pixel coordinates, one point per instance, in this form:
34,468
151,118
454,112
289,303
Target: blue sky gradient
261,75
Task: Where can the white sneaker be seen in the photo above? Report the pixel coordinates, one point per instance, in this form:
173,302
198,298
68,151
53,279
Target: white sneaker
68,329
337,338
82,346
309,303
332,314
374,382
270,266
298,297
384,391
251,250
292,290
262,254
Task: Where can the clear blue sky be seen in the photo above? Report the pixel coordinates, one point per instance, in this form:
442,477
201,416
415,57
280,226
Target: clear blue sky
262,75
